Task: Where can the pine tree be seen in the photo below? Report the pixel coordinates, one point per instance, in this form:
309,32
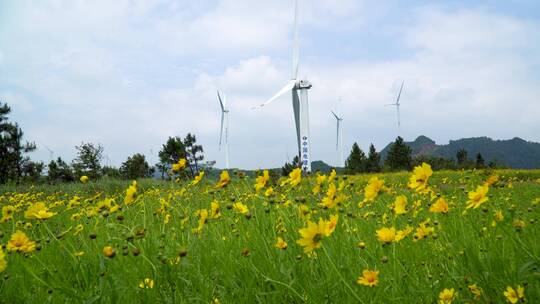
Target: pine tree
399,156
12,148
480,163
461,157
88,160
373,160
356,162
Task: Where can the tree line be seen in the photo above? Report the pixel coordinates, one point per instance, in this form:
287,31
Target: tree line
16,166
400,158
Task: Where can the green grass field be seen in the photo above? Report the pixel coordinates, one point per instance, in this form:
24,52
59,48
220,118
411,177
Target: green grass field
231,257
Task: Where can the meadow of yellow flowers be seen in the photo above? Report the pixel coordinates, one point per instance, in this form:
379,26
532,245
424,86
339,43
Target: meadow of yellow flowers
420,237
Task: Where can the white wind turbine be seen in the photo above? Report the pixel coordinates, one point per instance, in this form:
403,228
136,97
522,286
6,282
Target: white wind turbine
224,122
299,89
397,104
339,139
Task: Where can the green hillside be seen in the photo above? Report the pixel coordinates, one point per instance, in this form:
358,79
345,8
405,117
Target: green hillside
514,153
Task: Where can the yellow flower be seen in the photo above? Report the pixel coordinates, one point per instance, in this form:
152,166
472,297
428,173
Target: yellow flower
84,179
214,210
131,193
329,201
224,179
7,213
440,206
240,208
281,244
369,278
371,191
202,214
21,243
198,178
269,192
447,296
3,262
514,295
295,177
181,164
109,252
331,225
146,283
418,181
400,205
476,291
78,229
478,197
260,181
423,231
386,235
312,235
492,179
401,234
38,211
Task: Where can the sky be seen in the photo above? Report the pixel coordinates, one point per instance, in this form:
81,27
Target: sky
128,74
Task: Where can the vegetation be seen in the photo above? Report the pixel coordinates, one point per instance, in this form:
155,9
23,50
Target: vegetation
421,237
514,153
399,156
14,165
135,167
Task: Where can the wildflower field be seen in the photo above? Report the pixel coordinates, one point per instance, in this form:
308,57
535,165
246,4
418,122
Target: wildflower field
410,237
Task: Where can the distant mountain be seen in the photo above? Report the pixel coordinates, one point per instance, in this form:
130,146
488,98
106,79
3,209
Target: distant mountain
515,153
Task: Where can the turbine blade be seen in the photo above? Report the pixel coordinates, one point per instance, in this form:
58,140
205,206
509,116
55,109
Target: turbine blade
288,87
296,44
221,132
220,101
335,115
399,95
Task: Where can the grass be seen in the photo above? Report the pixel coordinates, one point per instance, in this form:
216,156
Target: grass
234,260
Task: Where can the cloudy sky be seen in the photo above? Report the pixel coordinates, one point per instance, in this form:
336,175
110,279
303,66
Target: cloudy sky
128,73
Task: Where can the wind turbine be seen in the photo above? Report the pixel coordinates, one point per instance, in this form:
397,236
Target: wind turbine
299,89
397,104
224,122
339,139
51,152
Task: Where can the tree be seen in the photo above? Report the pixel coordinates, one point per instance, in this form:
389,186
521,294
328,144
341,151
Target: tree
88,160
373,160
31,171
399,156
357,161
112,172
12,148
288,167
135,167
480,163
461,157
60,171
194,153
173,150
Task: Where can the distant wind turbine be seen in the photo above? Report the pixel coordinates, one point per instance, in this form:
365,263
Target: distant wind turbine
224,123
51,152
339,139
397,104
299,89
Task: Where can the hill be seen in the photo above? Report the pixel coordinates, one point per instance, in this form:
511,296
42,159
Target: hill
515,153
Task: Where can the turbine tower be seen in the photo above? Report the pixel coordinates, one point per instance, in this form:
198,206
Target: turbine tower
224,122
397,104
299,89
339,139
